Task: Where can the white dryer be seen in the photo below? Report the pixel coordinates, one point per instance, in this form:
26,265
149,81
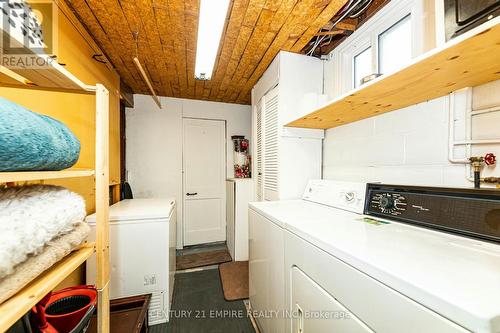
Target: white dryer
348,272
142,244
267,231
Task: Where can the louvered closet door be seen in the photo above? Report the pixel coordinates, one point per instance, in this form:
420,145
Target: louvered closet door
271,141
259,152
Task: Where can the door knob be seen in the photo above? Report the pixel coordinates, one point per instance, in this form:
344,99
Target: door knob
190,194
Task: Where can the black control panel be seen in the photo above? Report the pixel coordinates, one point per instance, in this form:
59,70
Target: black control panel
469,212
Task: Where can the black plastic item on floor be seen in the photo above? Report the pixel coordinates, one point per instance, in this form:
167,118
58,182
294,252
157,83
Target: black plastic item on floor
199,307
125,191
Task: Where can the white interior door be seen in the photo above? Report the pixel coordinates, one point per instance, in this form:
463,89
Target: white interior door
204,165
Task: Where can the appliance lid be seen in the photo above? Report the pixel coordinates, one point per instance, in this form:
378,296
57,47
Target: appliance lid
138,209
286,212
278,211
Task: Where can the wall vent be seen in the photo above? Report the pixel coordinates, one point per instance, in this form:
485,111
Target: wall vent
156,313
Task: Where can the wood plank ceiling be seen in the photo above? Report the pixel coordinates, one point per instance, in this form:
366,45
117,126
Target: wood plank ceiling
255,31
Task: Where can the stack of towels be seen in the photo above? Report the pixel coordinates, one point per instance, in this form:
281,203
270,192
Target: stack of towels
39,225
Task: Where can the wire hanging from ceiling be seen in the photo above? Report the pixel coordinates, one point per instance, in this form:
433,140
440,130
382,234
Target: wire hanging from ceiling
354,10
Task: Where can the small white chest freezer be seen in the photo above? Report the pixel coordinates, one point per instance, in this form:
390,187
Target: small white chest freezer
142,240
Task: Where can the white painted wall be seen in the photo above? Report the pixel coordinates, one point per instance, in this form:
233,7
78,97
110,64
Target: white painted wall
154,143
407,146
410,146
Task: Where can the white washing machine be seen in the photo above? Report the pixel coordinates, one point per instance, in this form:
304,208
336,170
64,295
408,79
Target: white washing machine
267,225
142,252
347,272
266,270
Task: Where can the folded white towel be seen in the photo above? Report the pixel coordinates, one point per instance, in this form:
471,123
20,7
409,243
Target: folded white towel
51,253
31,216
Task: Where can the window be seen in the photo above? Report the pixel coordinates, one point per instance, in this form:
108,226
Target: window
394,46
385,43
362,66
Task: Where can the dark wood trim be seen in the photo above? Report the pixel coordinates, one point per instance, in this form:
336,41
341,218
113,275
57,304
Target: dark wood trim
123,144
126,95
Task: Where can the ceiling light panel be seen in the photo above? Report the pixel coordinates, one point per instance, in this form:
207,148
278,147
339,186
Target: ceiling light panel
211,23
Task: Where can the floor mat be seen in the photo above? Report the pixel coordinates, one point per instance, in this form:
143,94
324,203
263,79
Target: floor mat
234,278
202,259
199,307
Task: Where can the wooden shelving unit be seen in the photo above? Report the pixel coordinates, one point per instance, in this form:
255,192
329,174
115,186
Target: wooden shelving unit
57,78
11,177
466,61
16,306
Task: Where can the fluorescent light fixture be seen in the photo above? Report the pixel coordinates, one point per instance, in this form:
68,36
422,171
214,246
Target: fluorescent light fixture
211,23
146,79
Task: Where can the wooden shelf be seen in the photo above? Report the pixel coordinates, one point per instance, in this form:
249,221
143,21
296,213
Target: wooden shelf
52,76
16,306
466,61
10,177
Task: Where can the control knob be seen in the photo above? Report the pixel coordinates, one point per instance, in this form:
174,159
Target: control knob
349,196
387,202
390,203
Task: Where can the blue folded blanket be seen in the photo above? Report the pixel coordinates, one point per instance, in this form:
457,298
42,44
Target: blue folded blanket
30,141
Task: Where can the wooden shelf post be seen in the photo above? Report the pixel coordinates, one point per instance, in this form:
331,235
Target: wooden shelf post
102,206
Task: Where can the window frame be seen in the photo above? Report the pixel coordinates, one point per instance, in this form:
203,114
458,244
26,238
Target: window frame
386,30
367,35
353,62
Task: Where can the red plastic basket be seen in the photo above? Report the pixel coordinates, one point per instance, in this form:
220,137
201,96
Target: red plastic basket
65,309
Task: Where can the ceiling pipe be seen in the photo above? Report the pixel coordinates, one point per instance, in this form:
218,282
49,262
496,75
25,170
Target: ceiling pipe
141,70
146,79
